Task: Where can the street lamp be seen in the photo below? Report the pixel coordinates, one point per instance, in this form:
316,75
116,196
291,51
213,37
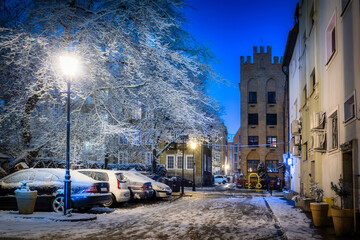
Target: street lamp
69,67
193,146
184,138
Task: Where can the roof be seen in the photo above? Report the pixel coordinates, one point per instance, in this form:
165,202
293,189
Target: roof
290,44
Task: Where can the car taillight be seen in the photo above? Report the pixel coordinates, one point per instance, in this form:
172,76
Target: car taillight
119,186
144,187
91,189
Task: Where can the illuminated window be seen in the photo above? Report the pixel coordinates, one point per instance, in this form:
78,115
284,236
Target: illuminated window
252,165
271,165
271,142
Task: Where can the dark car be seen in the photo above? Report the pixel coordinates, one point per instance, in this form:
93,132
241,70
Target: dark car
187,183
49,184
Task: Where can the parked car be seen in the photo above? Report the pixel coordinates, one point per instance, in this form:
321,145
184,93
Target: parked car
139,188
161,190
218,179
187,183
118,186
49,184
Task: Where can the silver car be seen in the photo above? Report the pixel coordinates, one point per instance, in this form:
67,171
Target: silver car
118,186
161,190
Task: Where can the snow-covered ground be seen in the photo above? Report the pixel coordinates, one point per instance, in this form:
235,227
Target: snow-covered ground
191,217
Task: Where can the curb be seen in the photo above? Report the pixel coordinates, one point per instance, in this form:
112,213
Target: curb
56,217
281,233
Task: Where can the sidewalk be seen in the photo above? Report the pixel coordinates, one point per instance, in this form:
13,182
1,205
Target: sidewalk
296,224
50,216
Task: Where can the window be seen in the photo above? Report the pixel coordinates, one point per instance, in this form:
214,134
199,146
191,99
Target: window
2,104
271,141
170,162
239,139
235,157
344,5
122,158
333,133
252,97
271,119
179,161
235,148
230,156
189,162
271,97
253,140
313,80
252,119
148,157
122,140
252,165
331,39
271,165
349,108
304,95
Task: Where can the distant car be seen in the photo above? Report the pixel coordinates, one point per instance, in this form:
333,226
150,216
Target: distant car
49,183
220,179
139,188
118,186
187,183
161,190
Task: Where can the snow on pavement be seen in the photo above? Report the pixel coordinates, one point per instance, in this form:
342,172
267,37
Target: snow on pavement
187,218
293,221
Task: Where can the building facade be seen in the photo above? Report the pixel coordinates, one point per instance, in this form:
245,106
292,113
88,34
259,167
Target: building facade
173,161
263,125
324,77
233,155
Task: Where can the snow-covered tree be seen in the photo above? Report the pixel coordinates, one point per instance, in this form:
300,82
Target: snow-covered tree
141,73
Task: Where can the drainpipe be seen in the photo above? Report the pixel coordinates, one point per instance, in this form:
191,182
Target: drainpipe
286,103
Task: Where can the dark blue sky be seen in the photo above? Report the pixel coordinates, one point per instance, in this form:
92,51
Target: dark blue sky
231,28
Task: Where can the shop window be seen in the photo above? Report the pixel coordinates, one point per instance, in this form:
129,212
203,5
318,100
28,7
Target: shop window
272,165
252,165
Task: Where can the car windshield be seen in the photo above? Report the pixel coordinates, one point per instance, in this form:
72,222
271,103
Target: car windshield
142,177
99,176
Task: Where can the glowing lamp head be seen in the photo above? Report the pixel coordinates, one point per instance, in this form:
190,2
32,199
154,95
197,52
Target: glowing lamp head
69,65
193,145
227,167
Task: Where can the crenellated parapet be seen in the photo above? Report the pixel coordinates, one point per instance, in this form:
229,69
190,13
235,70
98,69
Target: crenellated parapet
261,58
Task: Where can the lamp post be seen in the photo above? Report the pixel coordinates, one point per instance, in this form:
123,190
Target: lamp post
184,137
69,68
193,146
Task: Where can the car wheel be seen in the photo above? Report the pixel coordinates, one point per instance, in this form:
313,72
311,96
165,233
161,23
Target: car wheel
57,204
111,203
224,182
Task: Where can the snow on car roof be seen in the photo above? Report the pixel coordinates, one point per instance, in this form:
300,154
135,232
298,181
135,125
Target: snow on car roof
60,173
